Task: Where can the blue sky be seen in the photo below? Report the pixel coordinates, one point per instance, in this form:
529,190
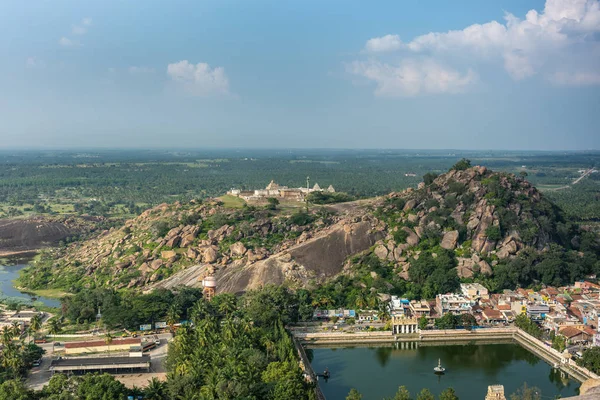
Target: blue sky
339,74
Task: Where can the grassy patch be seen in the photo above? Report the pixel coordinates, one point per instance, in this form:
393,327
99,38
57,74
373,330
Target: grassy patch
232,201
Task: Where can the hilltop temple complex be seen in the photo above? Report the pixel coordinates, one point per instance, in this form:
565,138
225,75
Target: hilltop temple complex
279,192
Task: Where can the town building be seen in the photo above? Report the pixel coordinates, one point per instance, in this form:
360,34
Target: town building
474,291
495,392
537,311
420,308
452,303
402,324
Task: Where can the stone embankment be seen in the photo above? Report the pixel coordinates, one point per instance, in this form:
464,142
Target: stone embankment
491,335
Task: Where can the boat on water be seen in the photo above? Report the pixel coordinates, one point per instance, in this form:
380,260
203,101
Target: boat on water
439,369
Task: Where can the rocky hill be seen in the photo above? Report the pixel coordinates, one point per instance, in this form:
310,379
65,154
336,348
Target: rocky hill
26,235
469,223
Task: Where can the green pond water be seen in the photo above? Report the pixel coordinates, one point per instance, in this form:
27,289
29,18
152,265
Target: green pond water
378,371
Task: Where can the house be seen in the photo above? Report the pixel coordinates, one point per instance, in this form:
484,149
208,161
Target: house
420,308
574,335
452,303
492,316
474,291
399,306
537,311
368,316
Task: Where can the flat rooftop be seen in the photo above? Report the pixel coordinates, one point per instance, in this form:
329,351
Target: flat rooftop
99,363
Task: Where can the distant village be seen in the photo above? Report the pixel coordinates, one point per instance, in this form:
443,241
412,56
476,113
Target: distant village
279,192
571,311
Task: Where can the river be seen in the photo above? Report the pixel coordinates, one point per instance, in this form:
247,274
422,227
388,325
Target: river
8,273
377,372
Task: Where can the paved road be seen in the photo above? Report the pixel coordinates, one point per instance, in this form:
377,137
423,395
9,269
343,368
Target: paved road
39,376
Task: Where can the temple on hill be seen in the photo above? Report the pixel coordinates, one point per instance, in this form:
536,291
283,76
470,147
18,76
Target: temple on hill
282,192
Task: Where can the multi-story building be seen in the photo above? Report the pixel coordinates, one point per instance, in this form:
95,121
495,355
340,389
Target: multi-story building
420,308
537,310
452,303
474,291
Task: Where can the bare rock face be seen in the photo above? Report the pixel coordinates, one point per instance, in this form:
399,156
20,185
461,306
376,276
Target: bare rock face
419,231
174,241
410,205
381,251
156,264
237,249
187,240
412,239
464,268
192,253
256,254
405,266
168,254
507,249
485,268
450,240
210,255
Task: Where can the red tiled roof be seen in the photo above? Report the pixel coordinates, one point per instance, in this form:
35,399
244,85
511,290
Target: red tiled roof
570,332
576,313
550,291
589,331
504,307
98,343
490,313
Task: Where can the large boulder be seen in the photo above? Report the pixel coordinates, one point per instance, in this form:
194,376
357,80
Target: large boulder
168,254
209,255
450,239
464,268
381,251
485,268
174,241
412,239
187,240
237,249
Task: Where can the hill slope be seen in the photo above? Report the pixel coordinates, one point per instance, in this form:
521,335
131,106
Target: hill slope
465,224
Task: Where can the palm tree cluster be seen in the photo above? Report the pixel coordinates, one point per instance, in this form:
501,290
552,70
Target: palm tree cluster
230,351
18,353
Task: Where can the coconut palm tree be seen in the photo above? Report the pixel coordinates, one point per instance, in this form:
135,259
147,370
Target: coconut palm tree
173,316
155,390
227,303
7,335
36,323
55,326
16,328
108,339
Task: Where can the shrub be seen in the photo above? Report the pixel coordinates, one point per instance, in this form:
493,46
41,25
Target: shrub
493,232
461,165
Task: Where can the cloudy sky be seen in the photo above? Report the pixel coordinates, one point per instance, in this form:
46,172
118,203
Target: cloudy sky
506,74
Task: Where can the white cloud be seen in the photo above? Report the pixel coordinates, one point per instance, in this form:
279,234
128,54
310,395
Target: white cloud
82,27
562,42
134,70
199,79
575,78
412,77
66,42
383,44
34,62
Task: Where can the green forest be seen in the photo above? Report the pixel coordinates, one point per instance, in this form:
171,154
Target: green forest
124,183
